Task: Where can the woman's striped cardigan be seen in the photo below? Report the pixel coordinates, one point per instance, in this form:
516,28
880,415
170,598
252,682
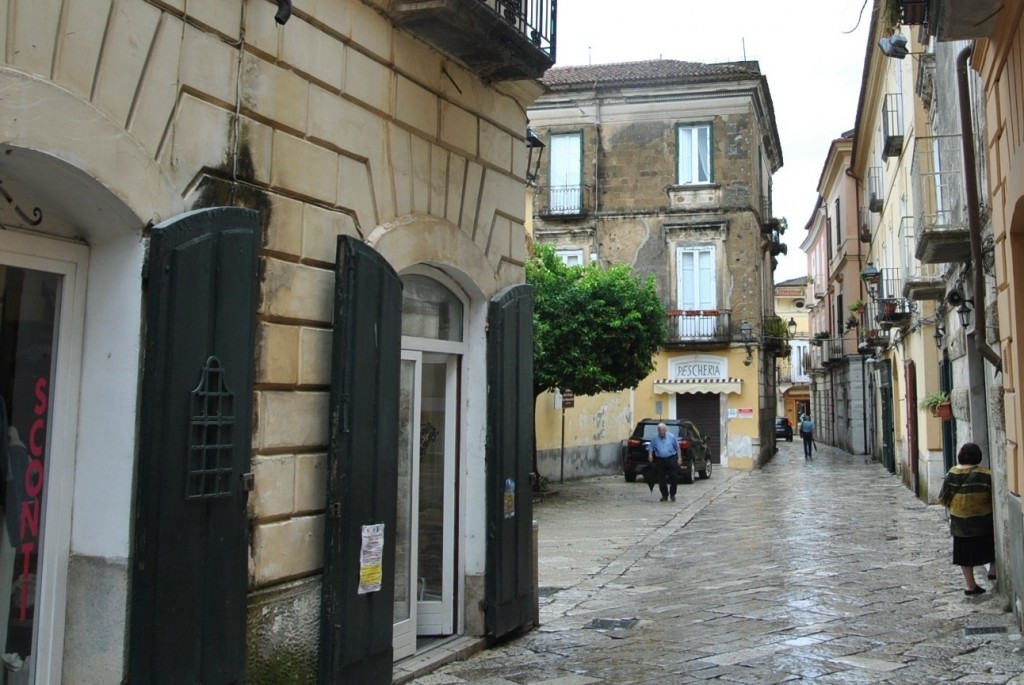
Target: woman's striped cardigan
970,512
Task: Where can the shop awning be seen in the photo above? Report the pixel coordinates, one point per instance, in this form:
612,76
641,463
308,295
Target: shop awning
686,386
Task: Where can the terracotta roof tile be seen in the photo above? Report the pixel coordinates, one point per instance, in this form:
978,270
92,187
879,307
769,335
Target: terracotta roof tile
651,71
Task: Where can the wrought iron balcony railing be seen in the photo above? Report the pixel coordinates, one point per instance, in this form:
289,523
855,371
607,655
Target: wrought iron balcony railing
697,325
941,224
892,125
552,202
498,39
920,281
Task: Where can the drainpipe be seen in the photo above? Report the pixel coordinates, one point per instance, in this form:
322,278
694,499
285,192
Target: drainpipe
973,211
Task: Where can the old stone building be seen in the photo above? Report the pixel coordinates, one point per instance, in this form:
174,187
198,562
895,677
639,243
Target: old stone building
667,166
260,312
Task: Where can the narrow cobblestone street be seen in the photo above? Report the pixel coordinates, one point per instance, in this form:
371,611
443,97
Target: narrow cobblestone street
828,570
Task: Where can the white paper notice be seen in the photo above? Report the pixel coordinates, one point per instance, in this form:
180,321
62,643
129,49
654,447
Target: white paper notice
370,555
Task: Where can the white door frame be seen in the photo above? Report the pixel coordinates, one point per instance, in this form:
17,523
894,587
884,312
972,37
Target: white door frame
70,261
403,639
435,618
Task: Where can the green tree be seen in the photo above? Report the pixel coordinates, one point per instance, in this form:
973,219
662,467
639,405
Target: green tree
595,330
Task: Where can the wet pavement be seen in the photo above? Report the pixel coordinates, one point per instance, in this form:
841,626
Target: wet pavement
828,570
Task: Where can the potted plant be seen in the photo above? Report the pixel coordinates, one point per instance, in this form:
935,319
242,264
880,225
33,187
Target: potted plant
819,338
938,404
858,306
852,322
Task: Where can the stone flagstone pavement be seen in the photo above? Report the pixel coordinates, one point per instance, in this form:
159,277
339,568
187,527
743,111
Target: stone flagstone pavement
828,570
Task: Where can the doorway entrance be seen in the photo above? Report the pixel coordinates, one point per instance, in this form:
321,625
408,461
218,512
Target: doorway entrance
41,309
427,482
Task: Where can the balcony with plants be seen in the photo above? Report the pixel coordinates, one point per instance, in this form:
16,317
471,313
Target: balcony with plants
940,218
888,307
499,40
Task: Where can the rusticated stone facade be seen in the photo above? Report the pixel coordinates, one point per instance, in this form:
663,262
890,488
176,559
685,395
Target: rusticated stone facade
118,114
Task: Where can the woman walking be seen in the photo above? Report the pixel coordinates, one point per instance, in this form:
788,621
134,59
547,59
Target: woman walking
967,493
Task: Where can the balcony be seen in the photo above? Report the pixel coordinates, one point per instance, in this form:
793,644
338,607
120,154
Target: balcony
819,286
892,125
875,189
500,40
941,224
892,312
700,325
920,281
563,202
958,20
915,12
888,309
864,224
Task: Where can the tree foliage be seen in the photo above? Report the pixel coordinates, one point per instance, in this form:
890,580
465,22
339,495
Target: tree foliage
595,329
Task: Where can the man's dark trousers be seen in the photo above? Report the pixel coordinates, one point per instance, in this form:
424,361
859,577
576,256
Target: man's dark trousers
668,474
808,439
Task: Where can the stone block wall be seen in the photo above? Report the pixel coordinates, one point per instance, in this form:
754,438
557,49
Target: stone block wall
335,123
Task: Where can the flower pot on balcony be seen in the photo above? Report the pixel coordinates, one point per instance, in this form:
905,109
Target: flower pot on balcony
943,410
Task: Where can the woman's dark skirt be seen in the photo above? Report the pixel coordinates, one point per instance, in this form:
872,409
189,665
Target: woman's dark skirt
974,551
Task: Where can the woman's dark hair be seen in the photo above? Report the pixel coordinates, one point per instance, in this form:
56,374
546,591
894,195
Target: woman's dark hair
969,454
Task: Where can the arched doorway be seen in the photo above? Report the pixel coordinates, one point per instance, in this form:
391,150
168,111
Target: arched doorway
433,343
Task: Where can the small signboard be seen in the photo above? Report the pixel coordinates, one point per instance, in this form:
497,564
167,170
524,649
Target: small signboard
568,399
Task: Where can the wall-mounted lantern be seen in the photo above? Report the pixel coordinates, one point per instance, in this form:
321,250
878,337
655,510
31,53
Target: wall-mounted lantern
535,145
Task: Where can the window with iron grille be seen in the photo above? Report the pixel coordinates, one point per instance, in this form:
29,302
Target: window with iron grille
211,433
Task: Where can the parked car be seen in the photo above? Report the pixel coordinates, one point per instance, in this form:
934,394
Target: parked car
693,447
783,428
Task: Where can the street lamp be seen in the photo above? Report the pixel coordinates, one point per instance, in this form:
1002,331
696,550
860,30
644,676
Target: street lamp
870,276
964,314
792,326
746,335
939,332
533,142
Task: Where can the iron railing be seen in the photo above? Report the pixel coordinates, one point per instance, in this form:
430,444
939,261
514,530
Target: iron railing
563,201
534,19
694,325
892,125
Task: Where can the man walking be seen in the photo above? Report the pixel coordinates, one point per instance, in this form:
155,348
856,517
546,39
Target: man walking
663,452
807,433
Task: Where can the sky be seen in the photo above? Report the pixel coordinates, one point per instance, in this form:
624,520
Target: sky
812,61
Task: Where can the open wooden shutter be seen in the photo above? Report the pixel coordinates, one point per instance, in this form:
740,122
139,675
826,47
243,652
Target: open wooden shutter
355,645
510,590
189,559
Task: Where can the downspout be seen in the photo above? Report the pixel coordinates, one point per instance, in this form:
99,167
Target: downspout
973,210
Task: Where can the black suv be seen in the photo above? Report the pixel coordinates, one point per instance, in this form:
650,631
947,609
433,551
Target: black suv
692,446
783,428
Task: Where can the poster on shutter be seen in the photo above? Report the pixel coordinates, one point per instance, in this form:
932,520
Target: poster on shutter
370,558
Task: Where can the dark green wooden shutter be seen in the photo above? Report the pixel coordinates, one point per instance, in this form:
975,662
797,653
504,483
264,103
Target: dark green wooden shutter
509,584
356,629
189,561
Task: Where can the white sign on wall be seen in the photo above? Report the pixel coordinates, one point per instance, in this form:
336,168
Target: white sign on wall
698,366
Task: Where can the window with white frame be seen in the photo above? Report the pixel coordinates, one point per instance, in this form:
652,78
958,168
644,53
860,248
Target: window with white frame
570,257
694,152
566,171
695,278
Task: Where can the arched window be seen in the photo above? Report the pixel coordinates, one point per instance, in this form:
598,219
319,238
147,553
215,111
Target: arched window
430,310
